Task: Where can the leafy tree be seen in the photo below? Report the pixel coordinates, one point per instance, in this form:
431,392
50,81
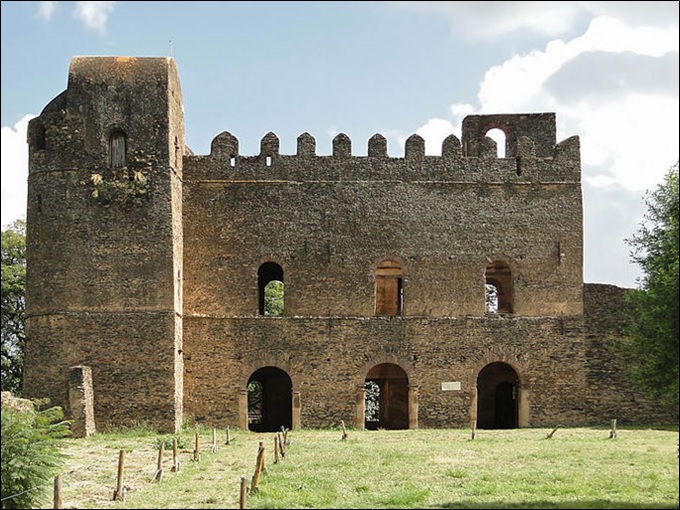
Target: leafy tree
13,306
372,400
273,298
31,456
491,298
651,336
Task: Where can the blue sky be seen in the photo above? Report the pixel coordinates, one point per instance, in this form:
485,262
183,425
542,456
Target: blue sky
609,70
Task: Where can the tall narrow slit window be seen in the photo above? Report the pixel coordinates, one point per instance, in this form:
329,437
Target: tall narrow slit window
389,288
118,149
39,137
270,289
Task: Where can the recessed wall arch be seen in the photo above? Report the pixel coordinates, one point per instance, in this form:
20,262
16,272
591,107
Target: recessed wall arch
502,373
269,400
392,387
268,367
361,374
247,368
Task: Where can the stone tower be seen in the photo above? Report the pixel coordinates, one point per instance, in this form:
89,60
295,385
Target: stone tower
104,240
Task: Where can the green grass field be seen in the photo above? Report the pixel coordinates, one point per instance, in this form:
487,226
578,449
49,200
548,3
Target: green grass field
427,468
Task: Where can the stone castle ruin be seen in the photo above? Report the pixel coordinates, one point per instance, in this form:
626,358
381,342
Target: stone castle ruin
414,291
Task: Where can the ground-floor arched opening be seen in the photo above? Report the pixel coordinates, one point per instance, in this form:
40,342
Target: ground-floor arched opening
386,398
497,397
270,400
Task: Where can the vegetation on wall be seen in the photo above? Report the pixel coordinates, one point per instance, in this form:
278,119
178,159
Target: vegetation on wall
13,306
651,341
122,186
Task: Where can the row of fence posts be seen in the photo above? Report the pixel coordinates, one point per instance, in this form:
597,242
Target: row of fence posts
120,490
473,429
280,446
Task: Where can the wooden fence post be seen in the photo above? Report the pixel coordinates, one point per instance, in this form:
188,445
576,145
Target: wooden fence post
57,492
282,447
550,434
119,493
213,446
244,493
259,464
175,460
159,465
197,453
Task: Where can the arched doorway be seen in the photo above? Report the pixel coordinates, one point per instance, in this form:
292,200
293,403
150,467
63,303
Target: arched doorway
270,400
386,398
497,397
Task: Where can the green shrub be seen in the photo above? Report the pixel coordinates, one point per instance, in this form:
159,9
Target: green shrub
167,442
31,456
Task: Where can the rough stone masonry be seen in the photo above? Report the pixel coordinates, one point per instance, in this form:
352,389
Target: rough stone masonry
418,291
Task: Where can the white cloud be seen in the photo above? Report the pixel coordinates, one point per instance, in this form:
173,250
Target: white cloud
14,161
46,9
94,15
627,117
494,20
434,133
616,87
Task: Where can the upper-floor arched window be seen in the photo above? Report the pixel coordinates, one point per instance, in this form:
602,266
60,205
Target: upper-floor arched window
389,289
498,279
500,137
118,149
270,289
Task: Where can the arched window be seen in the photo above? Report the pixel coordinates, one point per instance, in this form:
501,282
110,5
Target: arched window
389,290
498,278
118,149
499,136
270,289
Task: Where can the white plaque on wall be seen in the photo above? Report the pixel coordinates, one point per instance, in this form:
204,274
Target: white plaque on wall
451,386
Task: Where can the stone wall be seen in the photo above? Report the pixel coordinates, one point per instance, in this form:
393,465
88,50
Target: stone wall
148,273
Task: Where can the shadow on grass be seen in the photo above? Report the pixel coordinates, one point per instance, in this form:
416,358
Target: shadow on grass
598,503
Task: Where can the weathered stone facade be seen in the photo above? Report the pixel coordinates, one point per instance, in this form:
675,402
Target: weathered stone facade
149,265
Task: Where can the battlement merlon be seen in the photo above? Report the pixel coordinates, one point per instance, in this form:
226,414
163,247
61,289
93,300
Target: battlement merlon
532,155
105,94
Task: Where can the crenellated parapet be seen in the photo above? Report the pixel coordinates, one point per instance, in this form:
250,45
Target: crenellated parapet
531,156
